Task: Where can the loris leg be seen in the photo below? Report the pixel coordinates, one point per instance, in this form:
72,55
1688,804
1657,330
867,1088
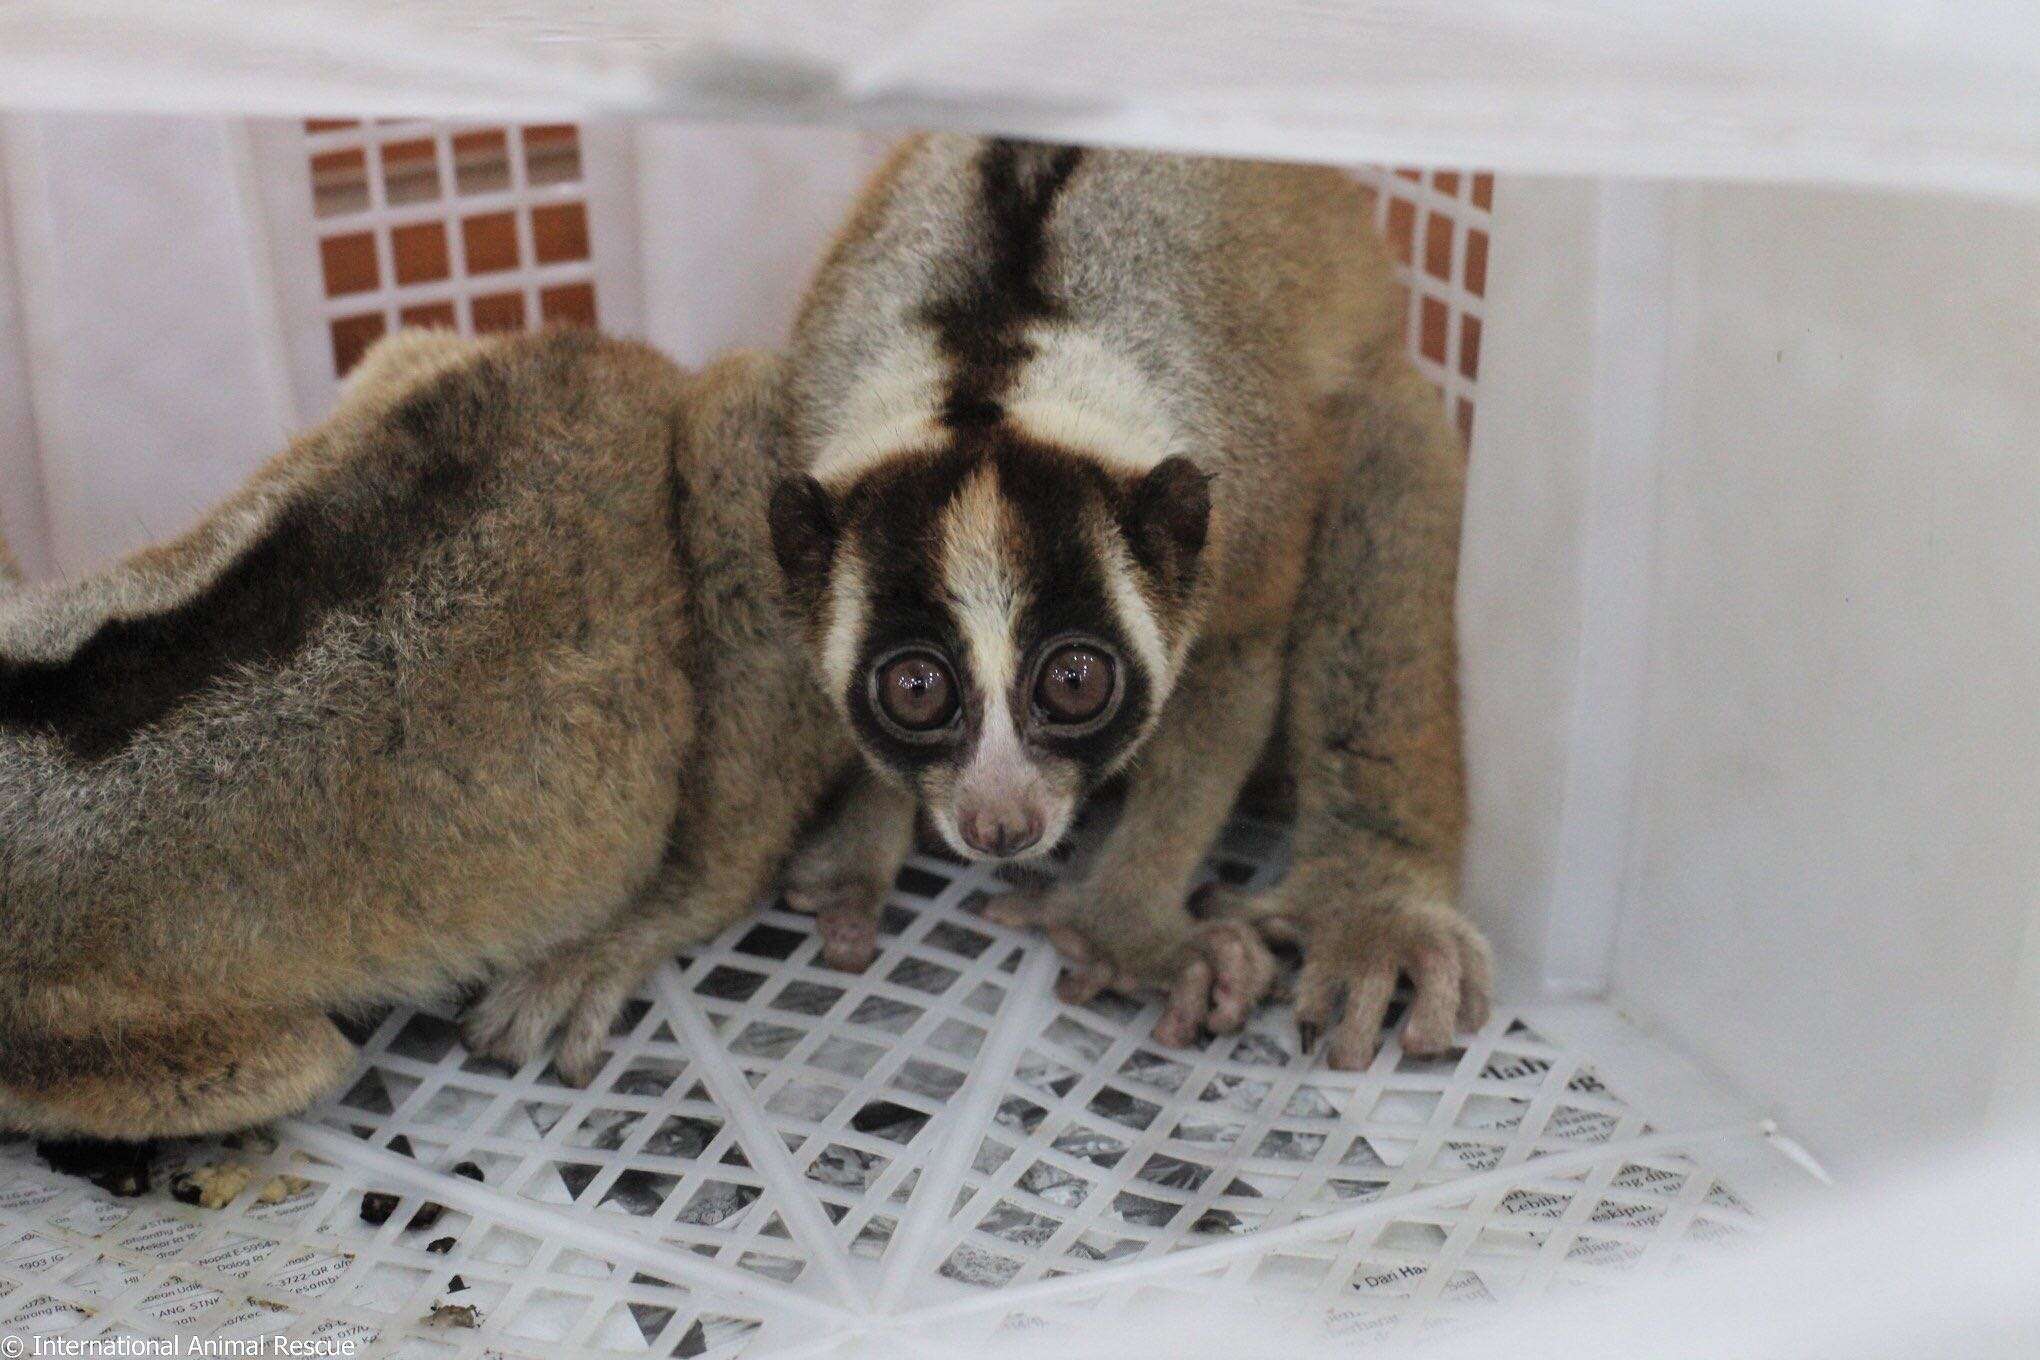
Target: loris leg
742,810
213,1072
1374,739
845,865
579,988
1125,925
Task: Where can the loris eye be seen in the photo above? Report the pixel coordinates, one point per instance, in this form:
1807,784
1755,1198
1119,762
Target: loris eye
916,691
1075,685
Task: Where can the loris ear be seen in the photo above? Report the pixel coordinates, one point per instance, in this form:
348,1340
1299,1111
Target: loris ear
804,532
1169,515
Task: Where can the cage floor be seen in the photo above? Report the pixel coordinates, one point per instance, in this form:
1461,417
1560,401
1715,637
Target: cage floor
779,1157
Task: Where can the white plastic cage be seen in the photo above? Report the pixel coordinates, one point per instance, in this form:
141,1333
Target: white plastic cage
778,1158
1749,662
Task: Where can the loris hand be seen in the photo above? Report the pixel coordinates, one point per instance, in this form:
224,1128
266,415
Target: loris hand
1212,973
1352,957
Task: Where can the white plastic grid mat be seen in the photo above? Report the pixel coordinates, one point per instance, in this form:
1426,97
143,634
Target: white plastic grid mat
778,1156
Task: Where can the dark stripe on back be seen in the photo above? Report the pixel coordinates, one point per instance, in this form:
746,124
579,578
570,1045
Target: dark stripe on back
331,552
979,325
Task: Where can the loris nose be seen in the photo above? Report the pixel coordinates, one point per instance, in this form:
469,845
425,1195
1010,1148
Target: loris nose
1000,834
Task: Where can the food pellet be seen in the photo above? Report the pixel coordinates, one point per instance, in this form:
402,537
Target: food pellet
214,1186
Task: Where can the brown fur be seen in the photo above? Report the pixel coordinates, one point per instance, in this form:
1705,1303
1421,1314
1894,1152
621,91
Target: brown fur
531,722
1247,305
766,755
1371,740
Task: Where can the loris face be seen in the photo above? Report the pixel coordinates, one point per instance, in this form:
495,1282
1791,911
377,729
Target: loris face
1000,620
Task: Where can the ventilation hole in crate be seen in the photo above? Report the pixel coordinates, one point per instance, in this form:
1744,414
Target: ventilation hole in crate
1431,329
1438,246
629,1016
1653,1180
552,154
972,1264
559,233
810,1100
846,1167
726,983
958,1039
1476,262
347,264
410,172
384,191
1586,1082
419,253
928,1079
806,998
846,1057
1402,228
370,1095
770,942
489,242
1627,1215
1523,1069
1438,233
1491,1112
433,315
499,312
567,304
1581,1126
1473,1156
339,182
481,162
426,1038
1720,1196
1155,1071
1123,1108
1289,1146
918,882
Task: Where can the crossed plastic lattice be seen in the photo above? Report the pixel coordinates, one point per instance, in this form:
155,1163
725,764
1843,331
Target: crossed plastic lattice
777,1153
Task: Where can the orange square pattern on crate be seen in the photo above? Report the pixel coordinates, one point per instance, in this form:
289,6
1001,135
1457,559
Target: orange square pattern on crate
487,229
1436,224
431,224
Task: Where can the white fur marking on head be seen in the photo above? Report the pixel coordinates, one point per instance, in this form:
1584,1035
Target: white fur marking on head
999,762
983,595
1076,393
844,638
1137,617
1000,768
895,405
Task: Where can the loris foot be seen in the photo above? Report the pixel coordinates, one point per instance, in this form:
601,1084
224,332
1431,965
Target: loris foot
1212,973
579,993
846,917
1352,957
